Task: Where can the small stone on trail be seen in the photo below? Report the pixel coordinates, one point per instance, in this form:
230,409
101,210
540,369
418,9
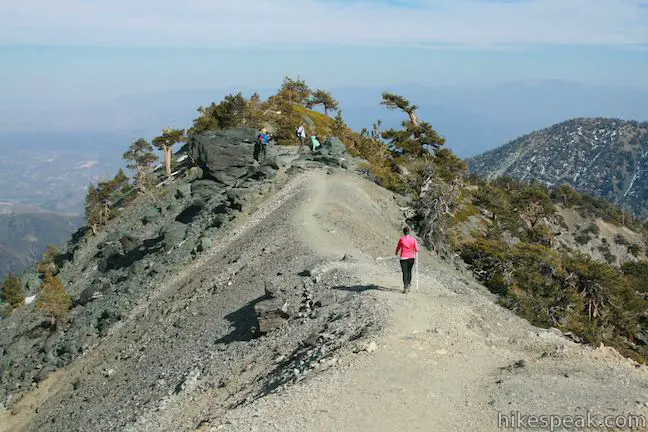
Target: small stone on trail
371,347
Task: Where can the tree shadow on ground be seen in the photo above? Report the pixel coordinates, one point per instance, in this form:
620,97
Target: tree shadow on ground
363,288
243,320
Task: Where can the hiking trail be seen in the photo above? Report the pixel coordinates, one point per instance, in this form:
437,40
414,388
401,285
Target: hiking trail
449,359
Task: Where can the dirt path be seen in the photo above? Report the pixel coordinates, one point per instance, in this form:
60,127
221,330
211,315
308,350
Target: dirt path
450,359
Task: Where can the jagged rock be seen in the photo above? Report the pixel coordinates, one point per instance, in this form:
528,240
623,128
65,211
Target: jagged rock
174,234
110,255
304,150
272,314
129,242
43,373
205,244
30,282
264,173
183,191
402,201
89,294
106,319
194,173
238,198
151,215
224,156
205,189
273,161
332,146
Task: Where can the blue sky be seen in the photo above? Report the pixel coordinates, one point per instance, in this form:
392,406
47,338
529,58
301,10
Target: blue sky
74,51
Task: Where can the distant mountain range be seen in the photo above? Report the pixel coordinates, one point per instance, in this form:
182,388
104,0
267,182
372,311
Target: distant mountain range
605,157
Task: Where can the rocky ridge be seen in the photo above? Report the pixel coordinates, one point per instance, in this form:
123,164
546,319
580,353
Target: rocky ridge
116,277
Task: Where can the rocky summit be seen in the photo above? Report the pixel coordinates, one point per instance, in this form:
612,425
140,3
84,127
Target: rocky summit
603,157
263,295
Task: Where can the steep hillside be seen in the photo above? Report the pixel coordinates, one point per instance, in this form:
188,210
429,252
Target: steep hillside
604,157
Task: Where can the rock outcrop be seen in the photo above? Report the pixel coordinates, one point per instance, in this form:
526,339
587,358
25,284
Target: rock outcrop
224,156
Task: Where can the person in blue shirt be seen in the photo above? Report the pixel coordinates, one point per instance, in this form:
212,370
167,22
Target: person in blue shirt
263,139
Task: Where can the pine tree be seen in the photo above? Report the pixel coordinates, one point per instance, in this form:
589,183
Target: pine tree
47,262
394,101
415,137
294,91
141,158
53,299
339,127
166,141
324,98
11,291
92,207
101,200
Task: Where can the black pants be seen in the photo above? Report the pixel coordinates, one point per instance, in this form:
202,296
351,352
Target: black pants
406,266
259,150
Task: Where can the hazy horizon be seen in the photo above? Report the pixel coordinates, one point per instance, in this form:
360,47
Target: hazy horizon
482,71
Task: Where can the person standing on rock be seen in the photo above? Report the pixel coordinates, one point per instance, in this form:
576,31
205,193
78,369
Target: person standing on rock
263,139
408,247
301,134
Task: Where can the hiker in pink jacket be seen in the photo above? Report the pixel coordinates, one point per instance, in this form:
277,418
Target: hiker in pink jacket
408,247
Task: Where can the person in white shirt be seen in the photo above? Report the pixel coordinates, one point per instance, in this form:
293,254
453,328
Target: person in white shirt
301,134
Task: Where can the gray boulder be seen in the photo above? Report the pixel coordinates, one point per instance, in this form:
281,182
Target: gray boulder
183,191
174,234
333,147
205,189
205,244
224,156
332,152
109,256
151,215
272,314
129,242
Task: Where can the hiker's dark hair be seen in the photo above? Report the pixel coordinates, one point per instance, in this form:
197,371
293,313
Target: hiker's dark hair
406,230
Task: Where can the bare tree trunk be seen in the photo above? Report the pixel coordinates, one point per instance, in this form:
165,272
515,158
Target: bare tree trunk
167,160
413,118
141,177
325,111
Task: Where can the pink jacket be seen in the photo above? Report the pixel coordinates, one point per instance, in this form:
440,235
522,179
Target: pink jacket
408,247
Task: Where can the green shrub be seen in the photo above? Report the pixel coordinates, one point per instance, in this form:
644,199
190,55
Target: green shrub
582,238
634,249
621,240
53,299
11,291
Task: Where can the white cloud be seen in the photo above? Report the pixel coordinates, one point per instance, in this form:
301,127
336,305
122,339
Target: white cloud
263,23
